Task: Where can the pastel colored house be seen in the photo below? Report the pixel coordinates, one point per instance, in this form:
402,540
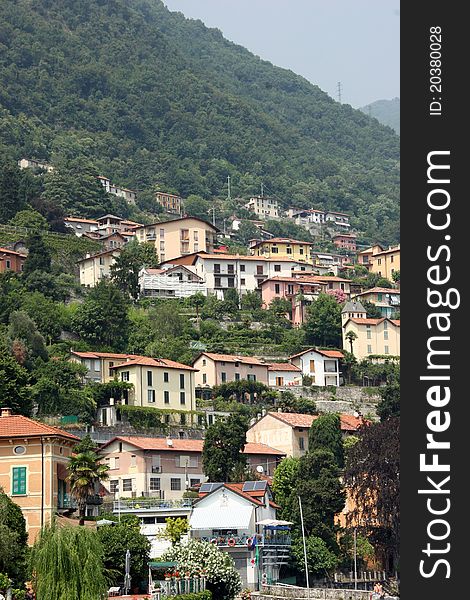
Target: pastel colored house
179,237
322,366
99,364
10,260
171,203
111,188
339,220
231,516
30,163
81,226
301,291
264,207
347,241
386,263
33,468
94,268
374,337
173,282
288,432
284,374
364,257
283,248
214,369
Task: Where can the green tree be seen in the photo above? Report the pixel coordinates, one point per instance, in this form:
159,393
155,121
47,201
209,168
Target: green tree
11,198
102,319
39,256
126,267
351,336
247,231
14,381
251,301
31,219
116,540
223,448
85,471
325,434
49,316
321,560
323,324
284,484
67,563
23,329
222,578
389,403
174,530
13,538
195,206
373,311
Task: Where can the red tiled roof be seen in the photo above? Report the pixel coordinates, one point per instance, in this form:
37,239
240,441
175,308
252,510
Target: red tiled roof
348,422
104,355
78,220
379,290
159,444
361,321
20,426
257,448
329,353
283,367
153,362
249,360
8,251
278,240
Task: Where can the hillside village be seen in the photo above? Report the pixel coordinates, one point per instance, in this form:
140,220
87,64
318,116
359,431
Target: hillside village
276,333
199,318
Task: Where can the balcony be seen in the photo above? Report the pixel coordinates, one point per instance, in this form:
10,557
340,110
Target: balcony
151,504
241,541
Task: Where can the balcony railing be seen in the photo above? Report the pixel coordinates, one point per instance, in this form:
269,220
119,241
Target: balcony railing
125,504
242,540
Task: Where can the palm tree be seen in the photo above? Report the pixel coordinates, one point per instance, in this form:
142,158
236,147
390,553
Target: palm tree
351,336
85,470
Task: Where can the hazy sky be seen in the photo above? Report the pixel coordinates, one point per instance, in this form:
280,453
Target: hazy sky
355,42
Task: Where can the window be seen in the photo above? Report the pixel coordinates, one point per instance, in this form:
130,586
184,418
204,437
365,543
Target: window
385,335
115,463
237,376
125,376
290,288
330,285
19,481
127,485
242,282
182,397
151,396
301,250
114,486
230,282
223,376
369,349
379,297
275,250
277,268
18,450
203,362
217,282
251,377
216,268
97,365
196,235
204,378
385,324
312,366
193,482
155,484
120,446
182,380
277,288
242,268
386,350
8,264
196,247
391,259
149,378
230,269
302,443
166,397
279,381
259,269
288,250
111,372
166,377
175,484
101,260
133,460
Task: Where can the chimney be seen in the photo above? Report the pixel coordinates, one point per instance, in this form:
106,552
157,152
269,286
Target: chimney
5,412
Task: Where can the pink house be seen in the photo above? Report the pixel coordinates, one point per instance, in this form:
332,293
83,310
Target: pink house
215,369
301,291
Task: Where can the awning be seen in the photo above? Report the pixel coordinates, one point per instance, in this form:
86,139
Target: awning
221,517
273,522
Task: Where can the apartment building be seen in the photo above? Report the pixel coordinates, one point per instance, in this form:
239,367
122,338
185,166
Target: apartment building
264,207
171,203
33,468
111,188
179,237
215,369
374,337
387,300
346,241
174,282
94,268
283,248
322,366
386,263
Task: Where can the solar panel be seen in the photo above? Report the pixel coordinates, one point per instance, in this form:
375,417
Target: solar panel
248,486
260,485
206,488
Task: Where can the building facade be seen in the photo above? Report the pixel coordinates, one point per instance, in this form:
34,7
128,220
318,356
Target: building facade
179,237
10,260
386,263
387,300
171,203
374,337
283,248
214,369
322,366
33,468
346,241
264,207
174,282
284,375
111,188
94,268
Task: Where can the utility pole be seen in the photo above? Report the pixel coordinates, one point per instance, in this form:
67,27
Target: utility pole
262,190
213,214
355,558
339,91
229,196
305,547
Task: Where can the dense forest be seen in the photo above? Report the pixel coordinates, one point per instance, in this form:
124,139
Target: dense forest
148,97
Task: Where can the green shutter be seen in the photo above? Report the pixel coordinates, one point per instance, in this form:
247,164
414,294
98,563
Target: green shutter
19,481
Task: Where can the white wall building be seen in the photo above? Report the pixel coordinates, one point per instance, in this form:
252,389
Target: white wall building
321,365
264,207
284,374
128,195
94,268
174,282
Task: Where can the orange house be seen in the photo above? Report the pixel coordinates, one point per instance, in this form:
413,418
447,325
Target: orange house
11,261
33,468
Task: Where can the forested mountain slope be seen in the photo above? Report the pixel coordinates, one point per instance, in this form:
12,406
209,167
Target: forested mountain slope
148,96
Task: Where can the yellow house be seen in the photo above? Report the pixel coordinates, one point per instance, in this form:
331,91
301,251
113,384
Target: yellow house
380,261
160,383
94,268
33,468
179,237
374,337
283,248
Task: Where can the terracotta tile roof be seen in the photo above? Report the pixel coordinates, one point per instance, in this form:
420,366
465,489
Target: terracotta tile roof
104,355
329,353
153,362
283,367
78,220
257,448
8,251
20,426
248,360
327,278
360,321
159,444
380,290
348,422
278,240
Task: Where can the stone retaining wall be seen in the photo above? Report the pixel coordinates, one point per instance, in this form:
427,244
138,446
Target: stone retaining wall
270,592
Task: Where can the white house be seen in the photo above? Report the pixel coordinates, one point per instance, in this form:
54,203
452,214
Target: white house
94,268
264,207
111,188
240,518
173,282
321,365
284,374
243,273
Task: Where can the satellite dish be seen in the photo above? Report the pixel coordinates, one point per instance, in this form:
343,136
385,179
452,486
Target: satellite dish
260,469
356,414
